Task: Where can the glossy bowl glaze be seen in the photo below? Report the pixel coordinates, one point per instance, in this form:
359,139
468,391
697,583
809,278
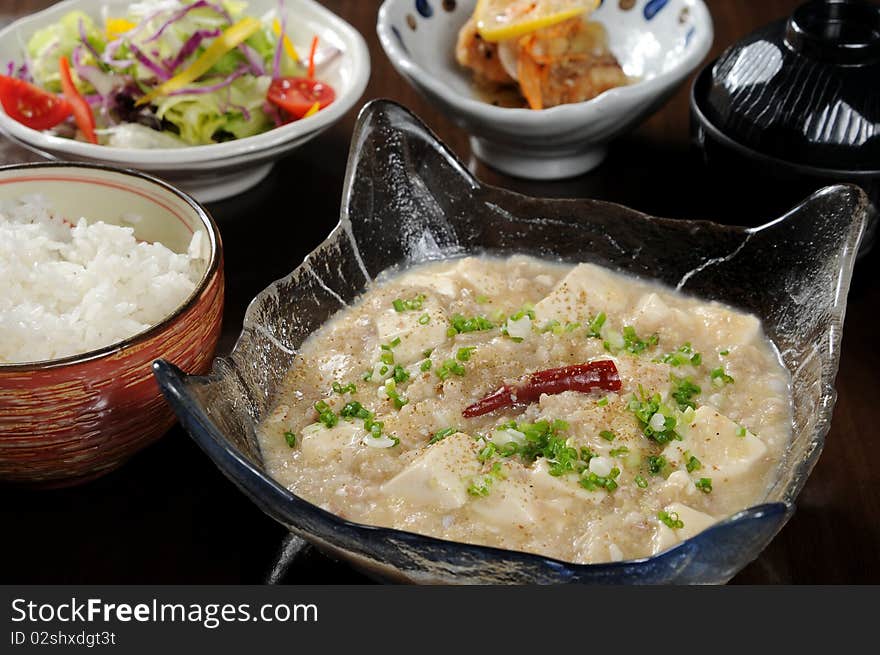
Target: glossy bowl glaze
216,171
408,200
795,105
69,420
660,42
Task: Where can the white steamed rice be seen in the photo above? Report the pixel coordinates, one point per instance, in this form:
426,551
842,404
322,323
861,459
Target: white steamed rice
66,290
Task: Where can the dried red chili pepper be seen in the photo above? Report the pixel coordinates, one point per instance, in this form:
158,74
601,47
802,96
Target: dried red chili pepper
579,377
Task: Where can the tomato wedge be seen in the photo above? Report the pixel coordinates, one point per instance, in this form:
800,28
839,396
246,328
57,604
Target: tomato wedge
296,95
30,105
82,113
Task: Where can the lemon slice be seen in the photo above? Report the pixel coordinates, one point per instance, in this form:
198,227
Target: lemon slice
500,20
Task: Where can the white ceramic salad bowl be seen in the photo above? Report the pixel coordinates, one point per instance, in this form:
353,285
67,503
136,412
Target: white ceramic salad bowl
215,171
660,42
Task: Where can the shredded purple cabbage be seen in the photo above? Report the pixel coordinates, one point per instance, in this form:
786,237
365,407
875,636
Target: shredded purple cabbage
85,41
253,59
176,16
274,113
110,52
191,45
197,90
155,68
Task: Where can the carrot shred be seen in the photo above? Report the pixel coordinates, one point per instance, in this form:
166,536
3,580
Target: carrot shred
529,74
312,57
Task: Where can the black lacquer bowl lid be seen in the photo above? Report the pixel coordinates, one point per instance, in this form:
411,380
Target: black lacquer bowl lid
805,89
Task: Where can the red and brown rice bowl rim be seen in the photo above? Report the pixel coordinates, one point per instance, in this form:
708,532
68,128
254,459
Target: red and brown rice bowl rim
64,421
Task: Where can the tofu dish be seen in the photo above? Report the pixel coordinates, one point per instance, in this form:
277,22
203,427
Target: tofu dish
564,410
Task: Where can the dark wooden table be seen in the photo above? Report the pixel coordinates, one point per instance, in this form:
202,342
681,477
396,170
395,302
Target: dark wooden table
168,516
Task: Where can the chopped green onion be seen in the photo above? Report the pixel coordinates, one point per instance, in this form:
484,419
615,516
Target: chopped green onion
720,378
594,328
550,326
458,324
325,414
724,353
656,464
592,482
632,343
681,357
464,354
683,391
387,358
741,431
607,435
400,374
409,305
450,367
481,299
440,435
488,452
671,519
602,402
645,409
617,452
426,366
693,464
355,410
704,485
348,388
290,438
641,482
424,319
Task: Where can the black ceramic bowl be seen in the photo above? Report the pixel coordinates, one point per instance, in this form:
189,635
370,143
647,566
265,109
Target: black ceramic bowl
795,105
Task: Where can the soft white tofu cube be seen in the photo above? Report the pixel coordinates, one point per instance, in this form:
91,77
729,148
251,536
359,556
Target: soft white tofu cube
416,333
510,503
583,293
439,477
560,491
694,523
320,444
716,441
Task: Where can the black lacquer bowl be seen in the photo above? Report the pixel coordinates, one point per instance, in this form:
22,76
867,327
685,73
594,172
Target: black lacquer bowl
407,199
795,105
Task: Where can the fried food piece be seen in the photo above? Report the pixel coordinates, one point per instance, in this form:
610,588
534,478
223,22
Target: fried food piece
480,56
565,63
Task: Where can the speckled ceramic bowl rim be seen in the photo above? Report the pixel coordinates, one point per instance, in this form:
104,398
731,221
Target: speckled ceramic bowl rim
216,248
841,174
401,58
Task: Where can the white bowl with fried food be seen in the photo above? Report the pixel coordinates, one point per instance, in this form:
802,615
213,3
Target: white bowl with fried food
620,64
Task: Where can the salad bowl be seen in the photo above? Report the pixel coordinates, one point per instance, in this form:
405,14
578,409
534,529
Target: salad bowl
408,200
657,42
219,170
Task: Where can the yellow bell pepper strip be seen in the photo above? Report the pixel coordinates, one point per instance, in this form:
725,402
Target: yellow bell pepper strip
228,40
312,110
288,46
82,113
116,27
312,57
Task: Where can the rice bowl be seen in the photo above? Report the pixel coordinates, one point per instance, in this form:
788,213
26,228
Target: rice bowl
72,285
67,420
